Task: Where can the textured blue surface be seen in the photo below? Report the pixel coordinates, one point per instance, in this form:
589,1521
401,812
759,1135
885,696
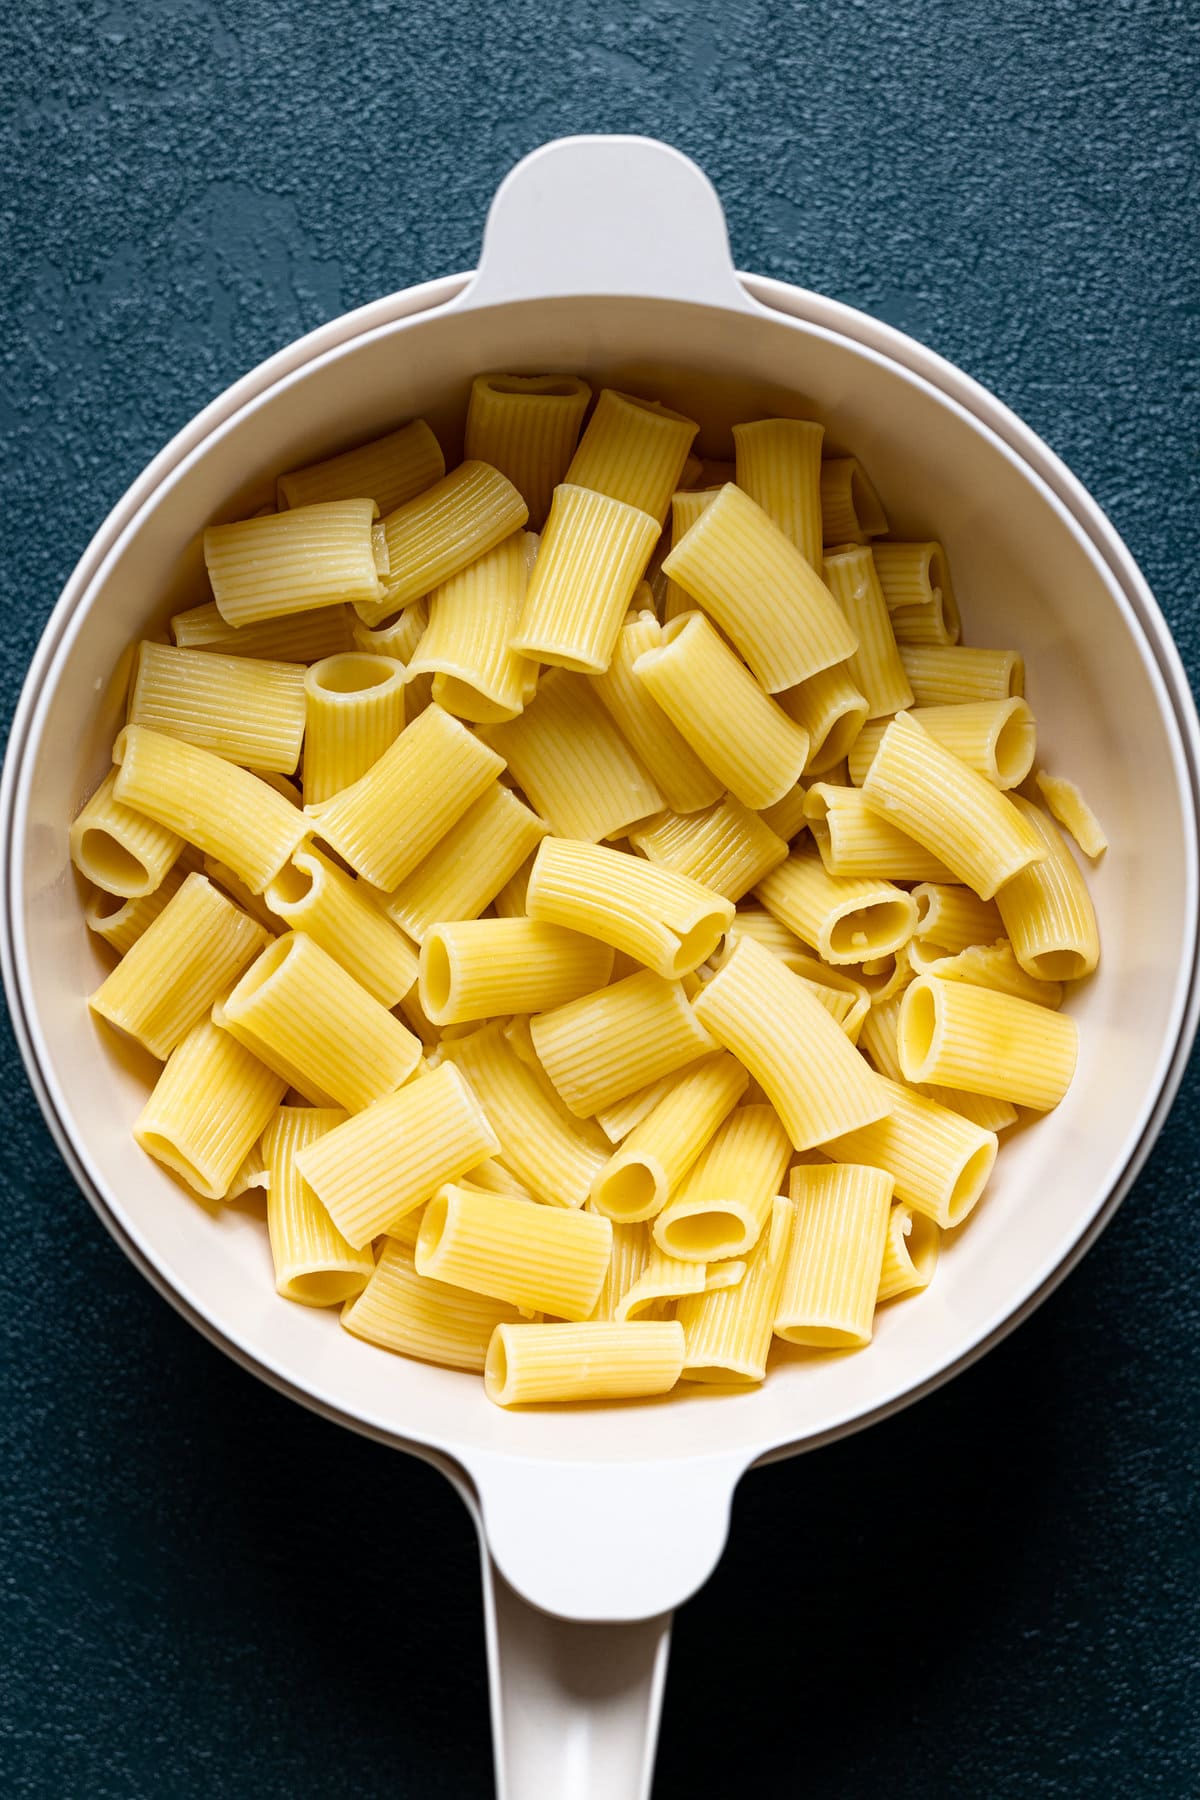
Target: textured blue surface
206,1591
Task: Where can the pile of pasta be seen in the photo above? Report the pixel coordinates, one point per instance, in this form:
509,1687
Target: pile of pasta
591,890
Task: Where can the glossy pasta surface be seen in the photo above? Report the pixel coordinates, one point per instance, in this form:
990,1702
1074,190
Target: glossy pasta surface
589,894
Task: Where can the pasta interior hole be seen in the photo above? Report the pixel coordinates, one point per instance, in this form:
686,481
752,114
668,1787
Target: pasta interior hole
629,1191
294,883
918,1027
676,626
935,574
325,1287
433,1224
1016,742
103,907
883,922
352,672
262,969
840,738
924,900
110,864
922,1245
166,1151
1059,965
714,1232
436,978
969,1184
822,1337
698,944
1016,674
495,1368
534,384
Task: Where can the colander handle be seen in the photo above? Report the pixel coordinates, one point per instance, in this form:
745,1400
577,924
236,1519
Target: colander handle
606,215
575,1707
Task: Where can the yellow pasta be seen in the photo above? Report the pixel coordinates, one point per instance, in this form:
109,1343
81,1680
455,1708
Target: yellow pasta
912,575
728,1331
786,817
248,711
686,508
986,1042
182,964
910,1253
660,918
663,1280
235,887
449,525
118,847
670,760
314,1264
313,895
627,1261
633,450
846,919
469,866
736,729
541,1258
552,1153
950,674
354,711
844,997
291,638
720,1206
753,582
854,841
388,470
850,508
397,638
939,1160
827,1299
618,1120
467,644
985,965
726,848
778,464
483,968
407,1313
997,738
954,918
638,1179
879,1041
390,818
832,710
122,922
572,762
1073,812
1047,910
225,811
528,1364
810,1072
755,922
600,1048
389,1159
209,1106
527,426
592,555
304,1016
290,562
875,668
927,792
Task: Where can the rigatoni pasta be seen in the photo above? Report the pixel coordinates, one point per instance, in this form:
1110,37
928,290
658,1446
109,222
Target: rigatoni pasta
712,872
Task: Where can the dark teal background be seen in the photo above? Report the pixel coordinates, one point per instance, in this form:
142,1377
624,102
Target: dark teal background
204,1590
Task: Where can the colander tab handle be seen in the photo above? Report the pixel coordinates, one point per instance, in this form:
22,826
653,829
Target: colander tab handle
606,216
575,1707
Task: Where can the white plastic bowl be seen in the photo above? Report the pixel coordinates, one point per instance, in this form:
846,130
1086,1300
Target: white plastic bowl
609,256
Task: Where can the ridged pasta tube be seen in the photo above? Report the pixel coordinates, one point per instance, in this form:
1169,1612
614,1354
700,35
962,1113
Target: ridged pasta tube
391,818
726,848
387,1160
249,711
528,1364
291,638
949,674
407,1313
986,1042
939,1160
830,1283
954,811
720,1206
851,511
728,1331
778,464
225,811
486,968
527,426
314,1264
467,645
808,1069
638,1179
633,450
388,470
291,562
832,709
753,582
313,895
592,555
541,1258
687,783
441,530
875,667
664,920
305,1017
468,867
846,919
713,700
855,842
209,1106
910,1253
608,1044
354,711
1047,910
118,847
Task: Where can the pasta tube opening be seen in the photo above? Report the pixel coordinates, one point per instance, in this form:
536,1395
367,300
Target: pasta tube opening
918,1030
265,967
100,857
433,1224
1014,745
870,930
710,1232
969,1183
352,672
631,1190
